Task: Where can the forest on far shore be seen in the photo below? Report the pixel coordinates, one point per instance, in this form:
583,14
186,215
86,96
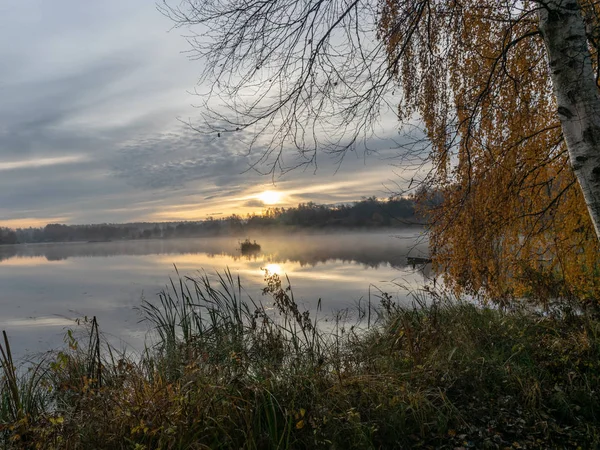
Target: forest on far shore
366,213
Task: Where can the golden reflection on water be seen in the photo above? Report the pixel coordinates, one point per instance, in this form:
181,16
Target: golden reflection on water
253,267
31,261
274,269
350,276
193,260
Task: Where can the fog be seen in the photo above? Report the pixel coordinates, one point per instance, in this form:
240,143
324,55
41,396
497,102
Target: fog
369,248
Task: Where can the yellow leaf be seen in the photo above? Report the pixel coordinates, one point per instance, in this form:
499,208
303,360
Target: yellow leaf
300,425
57,420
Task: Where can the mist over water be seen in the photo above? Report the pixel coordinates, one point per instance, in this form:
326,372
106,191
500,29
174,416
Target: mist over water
46,286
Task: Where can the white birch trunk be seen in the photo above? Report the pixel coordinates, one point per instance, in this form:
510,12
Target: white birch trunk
563,30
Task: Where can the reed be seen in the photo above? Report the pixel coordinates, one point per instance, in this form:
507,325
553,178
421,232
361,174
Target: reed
225,370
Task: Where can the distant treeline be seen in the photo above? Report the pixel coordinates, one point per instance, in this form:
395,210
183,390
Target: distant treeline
367,213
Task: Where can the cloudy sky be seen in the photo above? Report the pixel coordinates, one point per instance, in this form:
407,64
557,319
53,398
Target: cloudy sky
91,94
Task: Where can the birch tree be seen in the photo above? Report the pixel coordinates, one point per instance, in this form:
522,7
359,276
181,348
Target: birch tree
506,92
576,91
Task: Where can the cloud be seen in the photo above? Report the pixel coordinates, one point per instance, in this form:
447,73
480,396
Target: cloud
173,160
254,203
89,130
41,162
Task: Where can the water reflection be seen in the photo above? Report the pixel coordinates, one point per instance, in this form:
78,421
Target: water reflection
44,285
274,268
370,249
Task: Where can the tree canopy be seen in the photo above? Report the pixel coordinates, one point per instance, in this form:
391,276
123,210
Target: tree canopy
506,93
514,222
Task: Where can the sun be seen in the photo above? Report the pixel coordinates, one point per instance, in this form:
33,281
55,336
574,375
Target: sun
270,197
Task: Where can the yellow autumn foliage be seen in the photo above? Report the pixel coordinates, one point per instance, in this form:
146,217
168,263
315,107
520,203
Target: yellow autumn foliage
513,223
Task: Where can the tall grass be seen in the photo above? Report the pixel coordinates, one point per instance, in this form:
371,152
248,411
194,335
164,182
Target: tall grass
197,320
225,370
23,398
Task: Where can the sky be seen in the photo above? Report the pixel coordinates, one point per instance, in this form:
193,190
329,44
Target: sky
94,100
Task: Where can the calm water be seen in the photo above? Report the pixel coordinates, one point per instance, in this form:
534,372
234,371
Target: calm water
46,286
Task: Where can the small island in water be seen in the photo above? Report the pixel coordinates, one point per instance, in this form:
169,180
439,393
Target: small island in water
248,248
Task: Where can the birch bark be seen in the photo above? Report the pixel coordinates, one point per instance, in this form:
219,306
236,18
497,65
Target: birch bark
563,29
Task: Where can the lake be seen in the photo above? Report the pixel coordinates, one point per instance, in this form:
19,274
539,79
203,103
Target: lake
46,286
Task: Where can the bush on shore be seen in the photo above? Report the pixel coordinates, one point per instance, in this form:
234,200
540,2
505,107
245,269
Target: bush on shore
227,371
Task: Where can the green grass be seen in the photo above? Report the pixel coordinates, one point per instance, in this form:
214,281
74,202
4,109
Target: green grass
228,371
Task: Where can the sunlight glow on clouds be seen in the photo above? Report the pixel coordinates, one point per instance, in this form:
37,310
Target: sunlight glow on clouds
293,189
36,222
90,129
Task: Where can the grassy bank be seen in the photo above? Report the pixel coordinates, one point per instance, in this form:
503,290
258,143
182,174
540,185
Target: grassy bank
228,372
